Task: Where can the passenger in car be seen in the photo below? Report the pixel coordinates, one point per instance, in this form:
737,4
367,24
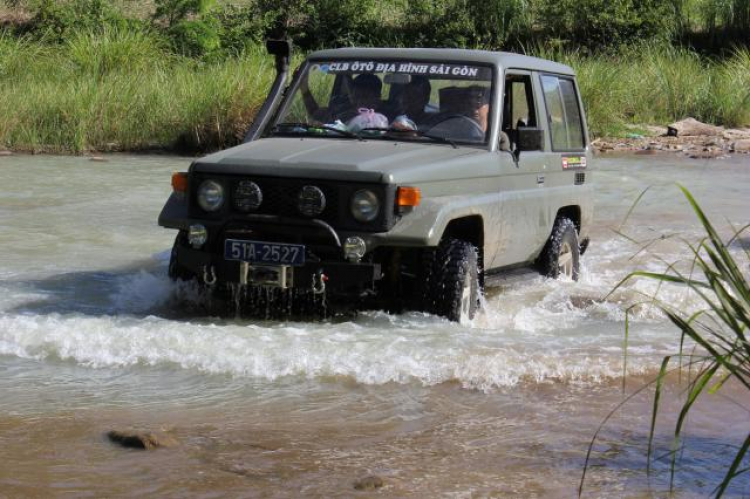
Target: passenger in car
365,94
414,99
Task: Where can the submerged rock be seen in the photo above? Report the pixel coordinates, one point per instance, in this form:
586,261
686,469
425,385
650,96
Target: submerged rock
141,439
368,483
6,153
100,159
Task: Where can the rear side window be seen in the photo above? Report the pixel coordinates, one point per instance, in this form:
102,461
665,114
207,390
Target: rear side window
563,113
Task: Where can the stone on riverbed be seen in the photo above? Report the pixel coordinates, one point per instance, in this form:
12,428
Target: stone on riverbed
6,153
690,127
141,439
742,145
368,483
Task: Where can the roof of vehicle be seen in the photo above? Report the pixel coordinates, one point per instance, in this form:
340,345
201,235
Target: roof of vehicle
506,60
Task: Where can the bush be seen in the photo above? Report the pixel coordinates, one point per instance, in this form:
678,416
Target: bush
319,24
191,29
239,28
597,24
56,21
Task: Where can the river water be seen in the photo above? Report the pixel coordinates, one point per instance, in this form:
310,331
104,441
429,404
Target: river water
94,336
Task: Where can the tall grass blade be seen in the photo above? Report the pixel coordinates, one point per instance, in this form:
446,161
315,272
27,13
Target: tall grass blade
657,397
732,472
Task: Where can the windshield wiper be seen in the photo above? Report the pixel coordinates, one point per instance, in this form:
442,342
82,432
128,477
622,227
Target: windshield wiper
310,126
419,133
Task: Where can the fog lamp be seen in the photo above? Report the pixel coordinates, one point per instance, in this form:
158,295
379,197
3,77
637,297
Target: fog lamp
197,235
354,248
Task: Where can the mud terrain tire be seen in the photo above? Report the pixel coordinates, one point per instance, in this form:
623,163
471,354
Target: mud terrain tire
456,280
562,253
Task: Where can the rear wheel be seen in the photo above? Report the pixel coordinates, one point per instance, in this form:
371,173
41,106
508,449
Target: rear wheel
562,253
456,280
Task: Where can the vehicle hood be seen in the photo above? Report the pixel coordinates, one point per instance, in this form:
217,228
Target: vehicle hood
343,159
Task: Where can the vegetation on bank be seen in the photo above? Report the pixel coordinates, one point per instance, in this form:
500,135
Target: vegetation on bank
718,331
79,75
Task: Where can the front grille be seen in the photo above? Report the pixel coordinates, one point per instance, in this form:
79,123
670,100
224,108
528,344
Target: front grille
580,178
280,198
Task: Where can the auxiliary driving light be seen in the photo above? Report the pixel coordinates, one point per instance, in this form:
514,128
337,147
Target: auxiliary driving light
354,248
197,235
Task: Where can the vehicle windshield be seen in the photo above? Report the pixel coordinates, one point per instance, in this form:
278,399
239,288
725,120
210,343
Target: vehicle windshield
394,100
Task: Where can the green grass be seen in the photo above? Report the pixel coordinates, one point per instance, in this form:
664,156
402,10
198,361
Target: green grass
123,90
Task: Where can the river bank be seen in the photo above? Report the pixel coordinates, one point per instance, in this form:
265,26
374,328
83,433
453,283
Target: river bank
687,137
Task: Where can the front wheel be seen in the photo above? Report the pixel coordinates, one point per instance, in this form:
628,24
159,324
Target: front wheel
456,290
562,253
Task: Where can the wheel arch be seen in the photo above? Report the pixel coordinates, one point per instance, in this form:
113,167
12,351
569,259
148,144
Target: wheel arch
572,212
469,228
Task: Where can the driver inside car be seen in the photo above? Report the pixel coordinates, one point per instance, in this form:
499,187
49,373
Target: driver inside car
464,113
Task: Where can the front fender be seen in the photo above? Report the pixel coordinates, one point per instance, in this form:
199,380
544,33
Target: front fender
426,224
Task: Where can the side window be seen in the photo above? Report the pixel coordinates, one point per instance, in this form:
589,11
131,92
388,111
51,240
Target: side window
565,123
518,106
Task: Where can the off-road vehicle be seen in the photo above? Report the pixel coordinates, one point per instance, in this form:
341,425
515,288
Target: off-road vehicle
392,178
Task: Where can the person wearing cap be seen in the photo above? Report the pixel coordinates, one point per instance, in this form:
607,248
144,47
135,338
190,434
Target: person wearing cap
464,113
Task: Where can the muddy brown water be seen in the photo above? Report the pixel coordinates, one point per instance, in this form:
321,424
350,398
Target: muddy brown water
94,337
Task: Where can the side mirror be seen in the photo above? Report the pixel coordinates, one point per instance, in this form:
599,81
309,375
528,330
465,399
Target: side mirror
530,139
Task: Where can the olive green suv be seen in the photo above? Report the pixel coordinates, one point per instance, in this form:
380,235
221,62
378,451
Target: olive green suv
402,179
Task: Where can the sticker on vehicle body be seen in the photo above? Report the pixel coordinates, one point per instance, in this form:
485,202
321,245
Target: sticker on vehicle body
573,162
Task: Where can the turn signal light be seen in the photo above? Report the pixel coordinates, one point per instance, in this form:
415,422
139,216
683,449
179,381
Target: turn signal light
408,197
179,181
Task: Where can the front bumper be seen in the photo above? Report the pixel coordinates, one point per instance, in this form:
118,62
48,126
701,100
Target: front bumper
336,277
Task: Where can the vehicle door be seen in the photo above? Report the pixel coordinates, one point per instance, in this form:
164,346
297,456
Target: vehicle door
566,156
522,183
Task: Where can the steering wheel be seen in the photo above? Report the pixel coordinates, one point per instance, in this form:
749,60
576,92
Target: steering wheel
457,127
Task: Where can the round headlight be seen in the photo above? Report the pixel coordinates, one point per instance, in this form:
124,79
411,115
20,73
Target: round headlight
311,201
247,196
210,195
365,206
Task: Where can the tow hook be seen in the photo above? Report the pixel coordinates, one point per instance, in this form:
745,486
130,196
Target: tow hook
209,275
319,283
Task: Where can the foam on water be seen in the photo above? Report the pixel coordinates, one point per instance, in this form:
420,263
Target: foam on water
541,331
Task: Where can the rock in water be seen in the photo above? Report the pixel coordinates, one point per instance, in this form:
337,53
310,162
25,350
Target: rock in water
368,483
141,439
6,153
742,145
100,159
690,127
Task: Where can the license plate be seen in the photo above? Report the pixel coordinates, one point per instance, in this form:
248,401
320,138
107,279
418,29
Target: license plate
264,252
